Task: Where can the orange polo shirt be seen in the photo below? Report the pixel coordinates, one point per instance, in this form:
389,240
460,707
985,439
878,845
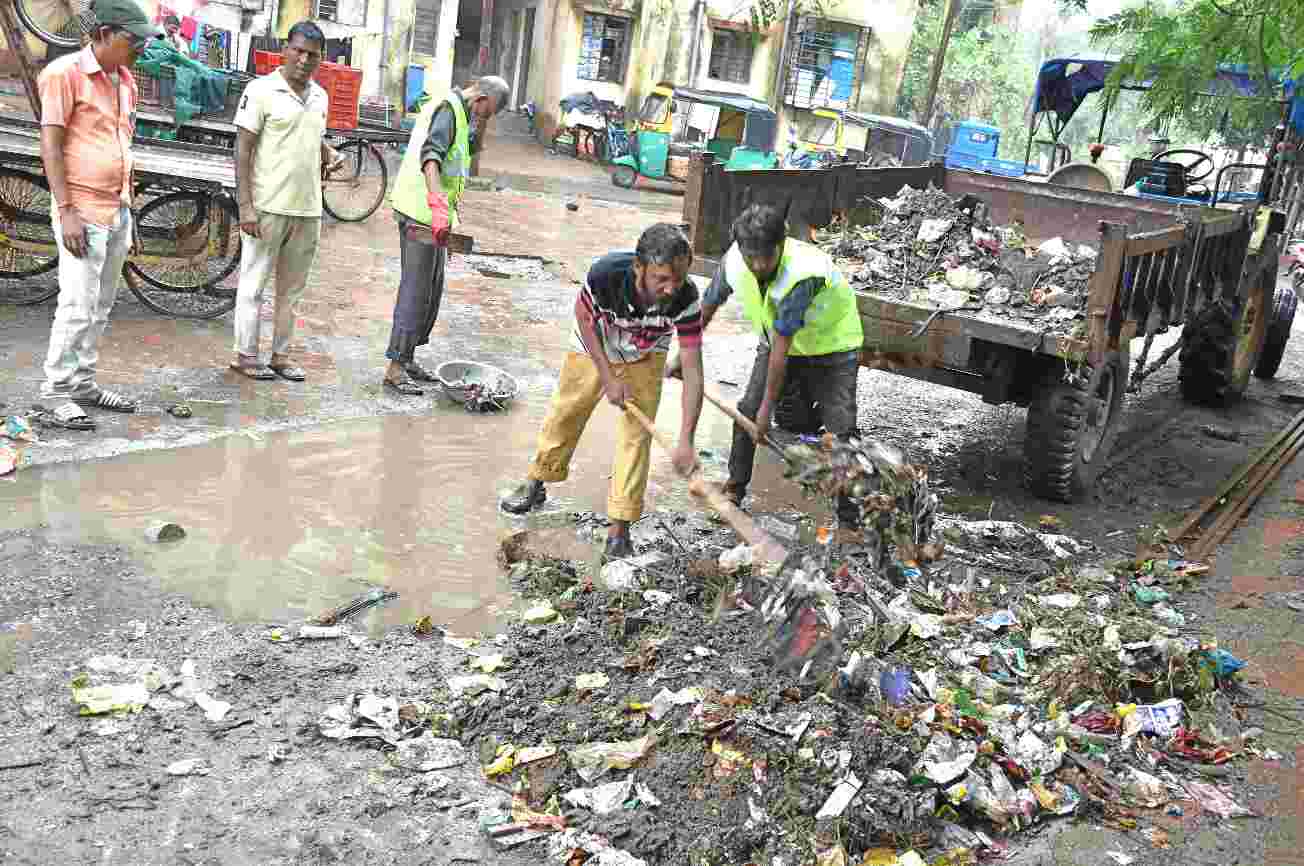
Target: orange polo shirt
99,120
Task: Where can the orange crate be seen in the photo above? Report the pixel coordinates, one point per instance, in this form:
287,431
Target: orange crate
343,86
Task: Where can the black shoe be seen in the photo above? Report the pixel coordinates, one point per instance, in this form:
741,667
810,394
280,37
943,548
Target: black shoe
526,498
734,493
618,547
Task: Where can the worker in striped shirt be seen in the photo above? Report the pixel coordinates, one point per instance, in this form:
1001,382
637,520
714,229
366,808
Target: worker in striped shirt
629,308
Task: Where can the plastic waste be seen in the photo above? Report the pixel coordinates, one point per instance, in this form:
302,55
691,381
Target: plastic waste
933,230
591,760
539,614
1212,799
1162,719
667,700
841,797
1150,594
603,799
591,682
1146,790
162,531
488,663
1063,600
1222,663
475,684
97,700
320,632
427,752
619,576
736,559
189,767
946,758
997,620
895,684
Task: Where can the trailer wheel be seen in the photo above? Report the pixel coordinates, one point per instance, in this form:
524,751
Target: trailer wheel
1279,325
1222,347
624,177
1071,429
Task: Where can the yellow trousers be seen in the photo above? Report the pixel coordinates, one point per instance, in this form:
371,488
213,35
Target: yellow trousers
578,393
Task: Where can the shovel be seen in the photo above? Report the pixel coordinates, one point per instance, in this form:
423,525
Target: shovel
743,421
701,489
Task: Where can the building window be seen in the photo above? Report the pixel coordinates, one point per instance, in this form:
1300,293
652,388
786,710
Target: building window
731,55
350,12
825,63
602,48
425,27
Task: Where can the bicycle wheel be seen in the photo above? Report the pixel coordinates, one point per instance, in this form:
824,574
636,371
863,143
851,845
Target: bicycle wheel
189,252
28,255
61,23
355,191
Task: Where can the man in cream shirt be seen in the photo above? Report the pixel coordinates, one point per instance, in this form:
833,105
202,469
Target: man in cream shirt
280,152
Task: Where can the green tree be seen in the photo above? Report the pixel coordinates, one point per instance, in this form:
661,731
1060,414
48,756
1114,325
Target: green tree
1180,46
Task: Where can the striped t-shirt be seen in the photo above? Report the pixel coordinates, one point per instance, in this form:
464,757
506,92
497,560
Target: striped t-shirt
629,331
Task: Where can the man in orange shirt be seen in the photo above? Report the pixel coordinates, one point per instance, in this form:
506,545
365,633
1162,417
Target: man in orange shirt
88,111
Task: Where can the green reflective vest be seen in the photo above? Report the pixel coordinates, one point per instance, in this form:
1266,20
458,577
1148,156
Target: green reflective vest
409,196
832,320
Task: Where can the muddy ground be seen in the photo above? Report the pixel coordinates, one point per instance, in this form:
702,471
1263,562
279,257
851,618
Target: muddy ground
298,497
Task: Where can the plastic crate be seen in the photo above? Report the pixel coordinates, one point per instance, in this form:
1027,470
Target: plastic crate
343,86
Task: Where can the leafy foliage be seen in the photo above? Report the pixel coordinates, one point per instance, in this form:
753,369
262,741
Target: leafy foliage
766,13
1180,46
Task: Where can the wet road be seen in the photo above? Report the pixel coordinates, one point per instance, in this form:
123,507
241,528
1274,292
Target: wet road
298,496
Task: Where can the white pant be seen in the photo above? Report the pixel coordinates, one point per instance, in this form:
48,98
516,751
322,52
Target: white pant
87,289
288,246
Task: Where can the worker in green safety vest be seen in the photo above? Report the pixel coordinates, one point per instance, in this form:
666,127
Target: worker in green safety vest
426,196
808,357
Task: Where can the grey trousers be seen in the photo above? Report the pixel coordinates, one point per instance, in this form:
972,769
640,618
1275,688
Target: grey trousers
818,390
420,288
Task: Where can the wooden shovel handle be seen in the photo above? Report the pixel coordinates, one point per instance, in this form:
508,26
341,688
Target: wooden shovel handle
741,420
765,546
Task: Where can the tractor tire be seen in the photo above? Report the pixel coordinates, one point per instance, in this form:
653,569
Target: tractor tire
1222,347
1279,325
1071,430
624,177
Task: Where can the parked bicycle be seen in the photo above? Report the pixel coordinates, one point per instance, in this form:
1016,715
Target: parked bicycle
184,263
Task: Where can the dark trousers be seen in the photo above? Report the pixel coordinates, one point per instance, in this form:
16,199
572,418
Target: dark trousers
818,391
420,288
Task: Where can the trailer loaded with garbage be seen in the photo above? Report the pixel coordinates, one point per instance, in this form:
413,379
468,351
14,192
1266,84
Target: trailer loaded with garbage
1024,292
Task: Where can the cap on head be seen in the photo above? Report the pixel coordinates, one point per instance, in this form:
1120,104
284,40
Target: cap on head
126,14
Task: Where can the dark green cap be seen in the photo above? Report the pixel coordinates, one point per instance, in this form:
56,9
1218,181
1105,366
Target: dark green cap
127,15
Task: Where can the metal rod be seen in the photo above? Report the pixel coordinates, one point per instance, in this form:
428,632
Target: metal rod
1223,527
1193,520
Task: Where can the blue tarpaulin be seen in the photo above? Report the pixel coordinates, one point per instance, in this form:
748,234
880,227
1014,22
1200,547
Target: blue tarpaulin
1063,84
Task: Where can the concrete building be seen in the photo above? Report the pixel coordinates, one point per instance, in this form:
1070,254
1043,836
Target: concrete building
850,59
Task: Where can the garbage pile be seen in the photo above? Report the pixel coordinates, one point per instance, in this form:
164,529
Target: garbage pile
933,250
636,714
16,434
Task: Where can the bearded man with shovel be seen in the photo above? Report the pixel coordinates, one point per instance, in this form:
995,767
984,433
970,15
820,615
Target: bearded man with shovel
808,356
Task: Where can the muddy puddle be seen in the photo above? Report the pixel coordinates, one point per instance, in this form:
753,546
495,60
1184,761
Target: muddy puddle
281,526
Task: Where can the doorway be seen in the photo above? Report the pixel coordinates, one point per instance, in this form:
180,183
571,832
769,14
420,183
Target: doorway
524,42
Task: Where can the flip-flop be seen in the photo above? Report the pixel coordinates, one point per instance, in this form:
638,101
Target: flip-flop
406,387
69,416
289,372
260,372
419,373
102,399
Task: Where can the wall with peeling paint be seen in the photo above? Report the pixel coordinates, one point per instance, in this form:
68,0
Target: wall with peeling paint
670,39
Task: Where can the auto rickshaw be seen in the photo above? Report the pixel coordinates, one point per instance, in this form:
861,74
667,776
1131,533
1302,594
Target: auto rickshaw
822,137
676,122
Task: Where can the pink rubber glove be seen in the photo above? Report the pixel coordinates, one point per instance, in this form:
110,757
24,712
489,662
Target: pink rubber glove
439,222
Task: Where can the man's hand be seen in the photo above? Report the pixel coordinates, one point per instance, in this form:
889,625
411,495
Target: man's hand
763,416
617,392
335,161
684,458
675,368
439,222
249,221
73,229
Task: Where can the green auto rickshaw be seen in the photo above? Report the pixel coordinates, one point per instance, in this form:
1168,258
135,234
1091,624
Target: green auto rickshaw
676,122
